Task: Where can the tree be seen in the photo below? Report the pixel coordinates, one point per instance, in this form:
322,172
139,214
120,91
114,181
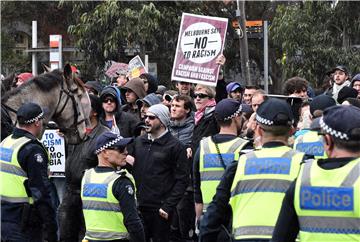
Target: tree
313,37
151,26
17,14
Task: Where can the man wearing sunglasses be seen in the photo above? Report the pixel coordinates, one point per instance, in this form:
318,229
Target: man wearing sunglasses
113,117
161,172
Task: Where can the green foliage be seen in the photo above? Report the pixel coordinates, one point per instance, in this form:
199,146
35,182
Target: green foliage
315,37
11,60
104,29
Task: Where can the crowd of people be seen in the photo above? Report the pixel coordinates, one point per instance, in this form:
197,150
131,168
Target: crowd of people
196,163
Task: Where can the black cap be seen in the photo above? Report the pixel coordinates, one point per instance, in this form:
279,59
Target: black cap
227,109
29,113
321,102
274,112
346,92
333,123
340,68
110,140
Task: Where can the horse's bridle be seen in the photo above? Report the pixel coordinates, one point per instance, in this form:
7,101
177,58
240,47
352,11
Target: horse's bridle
69,95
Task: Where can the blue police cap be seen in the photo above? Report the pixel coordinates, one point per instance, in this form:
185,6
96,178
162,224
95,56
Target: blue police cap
227,109
29,113
110,140
274,112
333,123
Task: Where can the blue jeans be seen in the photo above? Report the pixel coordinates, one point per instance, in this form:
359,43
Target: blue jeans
12,232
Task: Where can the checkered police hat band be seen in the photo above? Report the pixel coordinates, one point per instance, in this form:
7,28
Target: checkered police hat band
108,145
264,120
41,115
331,131
234,114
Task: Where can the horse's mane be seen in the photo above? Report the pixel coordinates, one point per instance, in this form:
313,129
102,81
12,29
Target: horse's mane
6,83
45,82
79,83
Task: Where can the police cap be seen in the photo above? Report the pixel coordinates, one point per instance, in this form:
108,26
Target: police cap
227,109
274,112
333,123
108,140
29,113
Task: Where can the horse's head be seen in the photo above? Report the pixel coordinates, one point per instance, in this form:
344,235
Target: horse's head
73,108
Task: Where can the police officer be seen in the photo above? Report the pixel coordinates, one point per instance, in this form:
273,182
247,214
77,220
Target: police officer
25,186
216,152
323,203
108,195
256,185
310,142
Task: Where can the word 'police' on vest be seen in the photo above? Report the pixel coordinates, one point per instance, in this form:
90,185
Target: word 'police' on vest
327,198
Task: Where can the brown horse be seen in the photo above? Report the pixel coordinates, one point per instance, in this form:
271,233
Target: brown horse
62,97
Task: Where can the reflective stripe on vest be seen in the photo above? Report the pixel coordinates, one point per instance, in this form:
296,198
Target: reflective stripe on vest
211,167
330,225
253,230
99,205
262,177
327,202
105,235
261,185
102,212
12,176
12,169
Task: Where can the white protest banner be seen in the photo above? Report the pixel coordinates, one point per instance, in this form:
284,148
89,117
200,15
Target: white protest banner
201,40
136,67
56,147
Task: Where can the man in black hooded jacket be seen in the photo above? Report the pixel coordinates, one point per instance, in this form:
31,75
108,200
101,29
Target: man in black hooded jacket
118,121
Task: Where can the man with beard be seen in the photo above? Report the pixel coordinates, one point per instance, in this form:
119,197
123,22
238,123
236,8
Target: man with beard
184,88
161,173
340,76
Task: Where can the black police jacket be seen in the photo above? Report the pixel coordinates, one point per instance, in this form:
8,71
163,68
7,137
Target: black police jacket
33,159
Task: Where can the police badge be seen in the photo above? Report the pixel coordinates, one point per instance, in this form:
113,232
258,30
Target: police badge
39,158
130,190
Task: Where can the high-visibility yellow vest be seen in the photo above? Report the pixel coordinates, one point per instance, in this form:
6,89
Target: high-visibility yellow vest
311,143
103,217
210,166
327,202
12,176
260,182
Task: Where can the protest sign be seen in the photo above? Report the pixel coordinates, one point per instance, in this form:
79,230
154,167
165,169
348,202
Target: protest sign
56,148
201,40
136,67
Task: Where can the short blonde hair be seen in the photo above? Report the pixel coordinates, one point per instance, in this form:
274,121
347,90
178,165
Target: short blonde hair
210,91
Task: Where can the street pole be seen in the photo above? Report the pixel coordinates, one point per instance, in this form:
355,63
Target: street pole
244,53
34,46
266,57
